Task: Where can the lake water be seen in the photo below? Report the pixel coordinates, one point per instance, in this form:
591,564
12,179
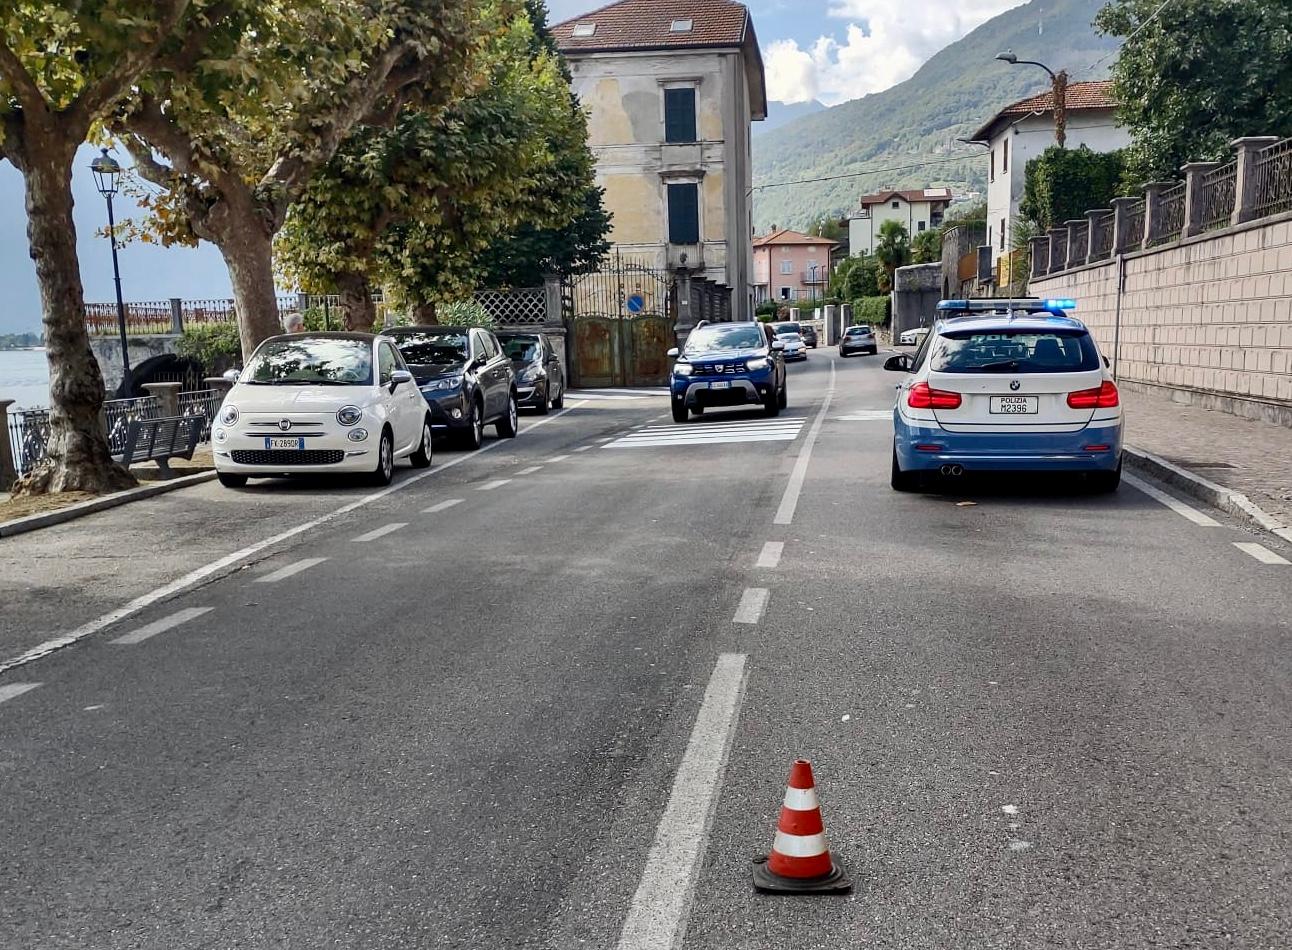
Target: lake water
24,377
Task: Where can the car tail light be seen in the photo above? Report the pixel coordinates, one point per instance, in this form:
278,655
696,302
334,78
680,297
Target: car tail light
922,397
1105,397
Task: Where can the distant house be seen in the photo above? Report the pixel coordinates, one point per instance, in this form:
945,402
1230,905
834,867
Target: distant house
1021,131
790,266
671,88
919,210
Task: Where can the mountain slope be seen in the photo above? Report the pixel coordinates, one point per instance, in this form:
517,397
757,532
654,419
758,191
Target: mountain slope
920,119
780,114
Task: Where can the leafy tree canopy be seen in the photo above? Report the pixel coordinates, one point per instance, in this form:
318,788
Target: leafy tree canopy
1064,183
1194,75
926,247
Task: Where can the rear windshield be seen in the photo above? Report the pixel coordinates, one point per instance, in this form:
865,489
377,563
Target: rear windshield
858,331
1015,351
788,328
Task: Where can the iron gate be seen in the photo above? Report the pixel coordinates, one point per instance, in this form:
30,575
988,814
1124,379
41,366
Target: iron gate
622,320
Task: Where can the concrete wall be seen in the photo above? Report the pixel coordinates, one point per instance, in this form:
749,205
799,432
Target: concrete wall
623,94
107,351
1207,321
1028,138
916,292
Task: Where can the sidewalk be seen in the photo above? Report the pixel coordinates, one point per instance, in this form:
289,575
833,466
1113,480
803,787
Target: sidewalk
1244,455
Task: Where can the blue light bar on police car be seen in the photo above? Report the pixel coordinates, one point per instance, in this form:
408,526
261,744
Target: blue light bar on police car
1062,303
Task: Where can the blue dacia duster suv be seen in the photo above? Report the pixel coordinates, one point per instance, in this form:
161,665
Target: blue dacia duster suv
728,364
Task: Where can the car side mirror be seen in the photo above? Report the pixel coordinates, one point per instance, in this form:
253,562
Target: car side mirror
399,377
901,363
778,344
232,375
673,353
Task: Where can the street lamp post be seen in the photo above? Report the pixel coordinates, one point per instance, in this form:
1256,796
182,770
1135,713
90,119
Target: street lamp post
813,269
107,175
1059,86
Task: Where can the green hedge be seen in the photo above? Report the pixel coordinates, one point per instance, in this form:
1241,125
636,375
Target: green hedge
216,346
872,310
1062,184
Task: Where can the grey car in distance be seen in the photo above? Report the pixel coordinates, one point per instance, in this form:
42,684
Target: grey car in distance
858,339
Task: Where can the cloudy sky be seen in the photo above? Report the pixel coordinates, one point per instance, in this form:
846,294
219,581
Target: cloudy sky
835,50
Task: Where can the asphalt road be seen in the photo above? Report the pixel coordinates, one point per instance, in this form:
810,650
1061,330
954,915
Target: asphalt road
548,696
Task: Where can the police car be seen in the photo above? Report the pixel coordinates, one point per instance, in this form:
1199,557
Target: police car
728,364
1006,385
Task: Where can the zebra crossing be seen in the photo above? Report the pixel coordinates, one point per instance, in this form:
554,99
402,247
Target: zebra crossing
616,395
711,433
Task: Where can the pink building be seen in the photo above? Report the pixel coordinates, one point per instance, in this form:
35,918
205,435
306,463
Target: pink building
791,266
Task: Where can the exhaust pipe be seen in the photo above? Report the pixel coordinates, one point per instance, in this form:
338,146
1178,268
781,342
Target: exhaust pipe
954,471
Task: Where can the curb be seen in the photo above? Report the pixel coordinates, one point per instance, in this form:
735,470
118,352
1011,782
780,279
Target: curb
1226,499
50,518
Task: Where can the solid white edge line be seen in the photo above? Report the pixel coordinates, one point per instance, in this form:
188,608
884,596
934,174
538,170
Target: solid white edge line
771,554
291,570
790,500
380,532
161,626
196,576
657,915
442,506
14,690
1179,507
1260,552
752,604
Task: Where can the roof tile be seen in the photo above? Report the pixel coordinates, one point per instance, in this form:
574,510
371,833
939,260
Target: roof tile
645,24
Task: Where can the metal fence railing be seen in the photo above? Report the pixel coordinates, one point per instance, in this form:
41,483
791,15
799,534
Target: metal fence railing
1217,197
151,316
1101,237
205,403
1134,230
1079,246
28,437
1059,252
1272,191
1169,220
524,306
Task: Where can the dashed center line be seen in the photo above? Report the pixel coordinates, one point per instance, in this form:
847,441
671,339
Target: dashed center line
496,483
1175,504
161,626
752,604
12,690
380,532
291,570
530,471
771,554
559,458
442,506
1260,552
583,448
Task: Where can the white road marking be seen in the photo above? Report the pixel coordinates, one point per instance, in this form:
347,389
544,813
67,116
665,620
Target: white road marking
867,415
291,570
583,448
559,458
752,604
617,394
442,506
161,626
530,471
1179,507
381,532
657,916
771,554
496,483
198,575
711,434
790,500
12,690
1260,552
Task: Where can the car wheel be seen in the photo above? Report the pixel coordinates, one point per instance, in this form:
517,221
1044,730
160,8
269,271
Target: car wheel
473,437
543,403
230,480
559,401
509,425
679,412
422,457
903,481
772,405
874,351
385,470
1105,483
783,400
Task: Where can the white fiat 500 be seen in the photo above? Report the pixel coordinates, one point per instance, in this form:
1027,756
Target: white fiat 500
311,403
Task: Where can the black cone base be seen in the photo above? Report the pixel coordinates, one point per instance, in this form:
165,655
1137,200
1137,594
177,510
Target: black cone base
836,882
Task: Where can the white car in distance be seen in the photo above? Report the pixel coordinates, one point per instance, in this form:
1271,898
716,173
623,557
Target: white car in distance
319,403
795,346
913,336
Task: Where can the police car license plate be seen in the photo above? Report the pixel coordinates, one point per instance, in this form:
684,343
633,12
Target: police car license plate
297,444
1014,405
722,385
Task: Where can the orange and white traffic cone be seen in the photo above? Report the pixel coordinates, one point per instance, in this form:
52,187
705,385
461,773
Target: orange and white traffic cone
800,861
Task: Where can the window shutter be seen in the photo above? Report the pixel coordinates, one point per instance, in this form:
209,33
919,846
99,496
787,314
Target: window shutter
684,214
679,115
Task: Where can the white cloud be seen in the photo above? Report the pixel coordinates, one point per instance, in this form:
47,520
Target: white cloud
885,42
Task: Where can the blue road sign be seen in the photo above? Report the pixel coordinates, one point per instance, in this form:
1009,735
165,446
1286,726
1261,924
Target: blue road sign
636,303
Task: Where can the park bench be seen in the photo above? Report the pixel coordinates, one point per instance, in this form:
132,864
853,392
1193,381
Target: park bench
160,440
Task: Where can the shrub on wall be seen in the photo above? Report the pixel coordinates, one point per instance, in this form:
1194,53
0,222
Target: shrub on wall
216,346
872,310
1061,184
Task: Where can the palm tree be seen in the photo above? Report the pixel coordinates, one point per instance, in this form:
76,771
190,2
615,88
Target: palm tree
893,249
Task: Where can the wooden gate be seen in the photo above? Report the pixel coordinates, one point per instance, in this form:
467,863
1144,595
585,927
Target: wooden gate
622,320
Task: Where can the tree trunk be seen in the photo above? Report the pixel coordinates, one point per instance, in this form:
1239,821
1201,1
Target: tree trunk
79,458
355,292
249,254
426,314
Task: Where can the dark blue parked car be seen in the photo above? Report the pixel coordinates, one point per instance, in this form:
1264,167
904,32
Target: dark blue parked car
728,364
